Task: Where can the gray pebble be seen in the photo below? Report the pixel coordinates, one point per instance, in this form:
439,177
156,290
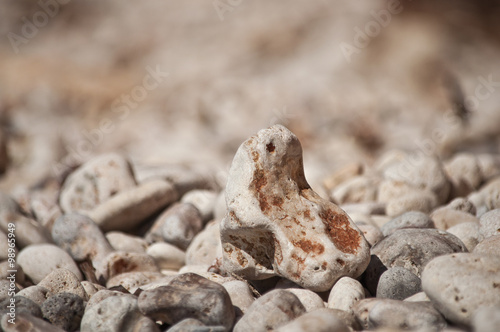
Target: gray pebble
28,323
188,296
458,284
270,311
489,224
414,248
411,219
64,310
5,266
398,283
23,304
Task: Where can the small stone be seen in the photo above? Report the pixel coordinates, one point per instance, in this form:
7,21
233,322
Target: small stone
411,219
355,190
405,315
126,242
128,209
458,284
91,288
309,299
194,325
81,238
366,208
95,182
313,244
489,166
270,311
371,233
398,283
240,294
489,246
101,295
418,297
64,310
467,232
343,174
188,296
116,314
464,173
167,256
119,262
486,319
414,248
362,311
319,320
38,260
28,323
22,305
62,280
445,218
491,193
203,200
35,293
178,225
205,247
414,200
462,204
345,294
489,224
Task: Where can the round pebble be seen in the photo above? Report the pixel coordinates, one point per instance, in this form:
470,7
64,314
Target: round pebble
411,219
203,201
319,320
64,310
125,242
489,224
345,294
398,283
167,256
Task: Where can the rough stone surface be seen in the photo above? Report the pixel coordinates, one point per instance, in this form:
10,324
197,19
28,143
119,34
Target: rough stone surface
131,281
119,262
64,310
38,260
277,225
462,204
62,280
414,248
95,182
319,320
35,293
412,200
489,224
131,207
489,246
189,296
126,242
398,283
205,247
178,225
345,294
458,284
23,305
467,232
411,219
91,288
405,316
117,314
270,311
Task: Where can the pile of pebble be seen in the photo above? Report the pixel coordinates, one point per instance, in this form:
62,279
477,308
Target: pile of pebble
415,245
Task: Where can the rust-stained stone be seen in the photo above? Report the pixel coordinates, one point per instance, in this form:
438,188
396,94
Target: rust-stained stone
277,225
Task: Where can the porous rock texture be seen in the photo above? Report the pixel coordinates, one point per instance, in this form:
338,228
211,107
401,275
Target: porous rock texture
277,225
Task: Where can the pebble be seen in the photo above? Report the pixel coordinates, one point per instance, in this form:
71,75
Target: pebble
62,280
489,224
188,296
405,316
486,319
418,297
240,294
128,209
467,232
101,295
343,174
489,166
411,219
27,230
313,244
194,325
489,246
35,293
458,284
22,305
345,294
491,193
309,299
203,201
167,256
28,323
64,310
414,248
420,171
91,288
319,320
462,204
95,182
398,283
270,311
81,238
177,225
116,314
126,242
38,260
414,200
205,247
366,208
355,190
464,173
119,262
445,217
371,233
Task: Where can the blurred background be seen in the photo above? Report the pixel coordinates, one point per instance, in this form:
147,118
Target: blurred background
186,82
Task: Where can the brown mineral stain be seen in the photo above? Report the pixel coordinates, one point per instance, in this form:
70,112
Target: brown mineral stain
343,236
258,183
270,147
340,261
309,247
277,201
